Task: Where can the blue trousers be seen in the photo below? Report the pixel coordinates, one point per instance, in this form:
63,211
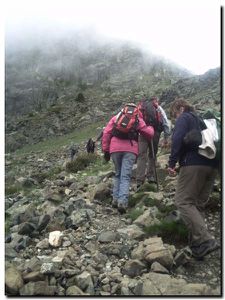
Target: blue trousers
123,162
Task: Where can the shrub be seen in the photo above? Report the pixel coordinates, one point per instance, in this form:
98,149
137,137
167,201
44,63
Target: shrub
135,213
135,199
80,97
13,189
81,162
166,230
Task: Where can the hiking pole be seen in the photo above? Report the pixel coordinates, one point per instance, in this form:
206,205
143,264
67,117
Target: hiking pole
153,156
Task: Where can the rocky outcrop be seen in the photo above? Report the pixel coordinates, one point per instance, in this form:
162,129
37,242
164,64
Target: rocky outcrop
80,245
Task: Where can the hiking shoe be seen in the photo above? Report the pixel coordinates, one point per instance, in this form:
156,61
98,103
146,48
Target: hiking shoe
114,203
122,208
205,248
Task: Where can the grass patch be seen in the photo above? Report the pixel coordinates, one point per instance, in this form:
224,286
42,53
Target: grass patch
135,213
148,187
98,166
135,199
166,230
151,202
13,189
18,188
55,143
81,162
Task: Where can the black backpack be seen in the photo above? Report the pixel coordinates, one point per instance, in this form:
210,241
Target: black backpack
151,115
90,146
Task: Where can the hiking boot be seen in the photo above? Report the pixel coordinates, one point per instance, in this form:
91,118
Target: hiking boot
205,248
114,203
122,208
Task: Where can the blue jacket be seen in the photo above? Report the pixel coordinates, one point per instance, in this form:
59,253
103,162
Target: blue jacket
179,151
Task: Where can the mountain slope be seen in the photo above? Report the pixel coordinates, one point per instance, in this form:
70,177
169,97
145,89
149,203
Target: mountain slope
56,86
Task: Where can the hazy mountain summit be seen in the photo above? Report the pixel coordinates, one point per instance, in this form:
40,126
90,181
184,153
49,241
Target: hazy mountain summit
72,78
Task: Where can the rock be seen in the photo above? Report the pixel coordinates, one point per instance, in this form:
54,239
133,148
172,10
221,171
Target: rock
43,222
133,268
157,268
148,218
26,228
108,237
44,244
74,291
55,238
157,252
39,288
13,281
33,276
102,192
132,231
84,281
47,268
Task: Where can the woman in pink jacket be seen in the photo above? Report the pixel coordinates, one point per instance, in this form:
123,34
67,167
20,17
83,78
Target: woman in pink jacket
124,153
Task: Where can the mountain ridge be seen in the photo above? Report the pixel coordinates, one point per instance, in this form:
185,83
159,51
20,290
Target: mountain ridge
69,85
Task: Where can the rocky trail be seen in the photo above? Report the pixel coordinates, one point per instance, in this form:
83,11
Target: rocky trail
63,237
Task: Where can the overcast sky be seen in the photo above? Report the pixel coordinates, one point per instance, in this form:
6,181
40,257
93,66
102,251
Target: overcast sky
187,32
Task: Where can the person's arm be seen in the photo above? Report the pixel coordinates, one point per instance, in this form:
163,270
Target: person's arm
143,129
107,134
180,129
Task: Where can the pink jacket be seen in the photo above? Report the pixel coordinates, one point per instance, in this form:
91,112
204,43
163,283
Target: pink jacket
113,144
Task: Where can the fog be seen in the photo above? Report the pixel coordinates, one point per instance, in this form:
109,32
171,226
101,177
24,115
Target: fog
185,33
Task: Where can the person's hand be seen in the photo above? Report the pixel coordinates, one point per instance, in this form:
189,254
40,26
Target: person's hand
172,172
107,156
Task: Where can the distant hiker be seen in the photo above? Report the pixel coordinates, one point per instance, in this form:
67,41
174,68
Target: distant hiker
153,115
73,151
90,146
196,177
120,141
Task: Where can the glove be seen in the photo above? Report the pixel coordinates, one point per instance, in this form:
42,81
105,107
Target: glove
107,156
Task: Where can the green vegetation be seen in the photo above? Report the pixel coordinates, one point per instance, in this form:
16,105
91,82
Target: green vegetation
165,230
7,223
135,213
98,166
17,188
81,162
77,136
135,199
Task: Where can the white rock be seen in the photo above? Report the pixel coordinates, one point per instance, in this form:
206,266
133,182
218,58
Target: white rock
55,238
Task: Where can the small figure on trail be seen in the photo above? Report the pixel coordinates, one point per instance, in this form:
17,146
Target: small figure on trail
73,151
90,146
196,178
120,141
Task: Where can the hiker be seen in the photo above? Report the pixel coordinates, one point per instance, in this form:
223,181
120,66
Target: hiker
195,182
90,146
154,115
123,148
73,151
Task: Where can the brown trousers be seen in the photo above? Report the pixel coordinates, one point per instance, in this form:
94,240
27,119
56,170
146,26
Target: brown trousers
145,161
192,194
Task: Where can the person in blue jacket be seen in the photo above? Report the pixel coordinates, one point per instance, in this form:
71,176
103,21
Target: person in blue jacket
195,182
